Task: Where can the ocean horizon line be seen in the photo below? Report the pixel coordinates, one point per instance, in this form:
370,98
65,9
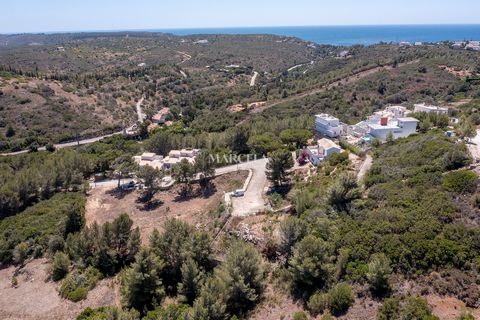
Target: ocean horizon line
339,35
162,30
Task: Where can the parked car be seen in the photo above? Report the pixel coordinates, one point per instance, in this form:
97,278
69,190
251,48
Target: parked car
128,186
238,193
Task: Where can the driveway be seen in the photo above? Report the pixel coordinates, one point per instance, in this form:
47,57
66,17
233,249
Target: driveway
366,165
253,201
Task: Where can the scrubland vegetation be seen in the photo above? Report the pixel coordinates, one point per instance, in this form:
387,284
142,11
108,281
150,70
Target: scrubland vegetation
413,219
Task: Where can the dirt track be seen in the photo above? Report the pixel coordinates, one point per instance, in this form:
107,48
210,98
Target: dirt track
347,80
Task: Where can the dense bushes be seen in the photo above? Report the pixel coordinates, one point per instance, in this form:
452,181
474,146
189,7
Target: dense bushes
405,308
338,299
463,181
60,266
406,223
76,285
107,248
28,178
34,227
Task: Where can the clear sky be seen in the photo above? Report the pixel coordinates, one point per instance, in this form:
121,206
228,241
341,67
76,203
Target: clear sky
83,15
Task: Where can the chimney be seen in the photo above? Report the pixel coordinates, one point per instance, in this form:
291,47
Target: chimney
383,121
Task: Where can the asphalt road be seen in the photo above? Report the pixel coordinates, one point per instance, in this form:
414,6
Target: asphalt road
66,144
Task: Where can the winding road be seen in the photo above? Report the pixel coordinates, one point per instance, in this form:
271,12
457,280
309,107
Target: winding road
141,117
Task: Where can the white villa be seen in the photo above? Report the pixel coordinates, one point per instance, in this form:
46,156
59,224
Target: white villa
393,119
165,163
430,109
329,126
399,128
323,149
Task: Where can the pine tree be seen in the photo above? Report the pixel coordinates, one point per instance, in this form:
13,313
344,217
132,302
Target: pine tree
211,304
308,265
60,265
242,273
192,281
278,165
205,166
10,131
142,287
379,271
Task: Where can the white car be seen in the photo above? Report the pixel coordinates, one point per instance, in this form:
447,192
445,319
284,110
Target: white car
238,193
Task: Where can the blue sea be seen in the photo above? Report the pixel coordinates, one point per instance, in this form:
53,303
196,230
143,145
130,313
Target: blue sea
351,35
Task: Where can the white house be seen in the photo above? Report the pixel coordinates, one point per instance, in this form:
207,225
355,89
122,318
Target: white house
329,126
323,149
161,163
381,123
430,109
399,128
458,45
473,45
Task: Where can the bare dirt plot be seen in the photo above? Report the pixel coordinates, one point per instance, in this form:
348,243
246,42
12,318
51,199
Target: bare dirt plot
103,206
456,72
36,298
276,305
447,308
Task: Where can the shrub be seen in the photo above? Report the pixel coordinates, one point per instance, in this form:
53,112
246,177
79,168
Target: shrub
108,313
76,285
20,253
78,294
466,316
408,308
300,315
276,200
55,243
50,147
341,298
389,310
60,265
462,181
319,302
338,158
378,272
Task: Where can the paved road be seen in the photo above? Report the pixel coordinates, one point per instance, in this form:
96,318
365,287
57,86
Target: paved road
141,118
253,201
66,144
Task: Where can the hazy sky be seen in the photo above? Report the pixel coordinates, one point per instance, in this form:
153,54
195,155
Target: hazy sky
79,15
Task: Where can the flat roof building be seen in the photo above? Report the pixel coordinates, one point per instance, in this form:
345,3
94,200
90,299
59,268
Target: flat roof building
422,107
329,126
